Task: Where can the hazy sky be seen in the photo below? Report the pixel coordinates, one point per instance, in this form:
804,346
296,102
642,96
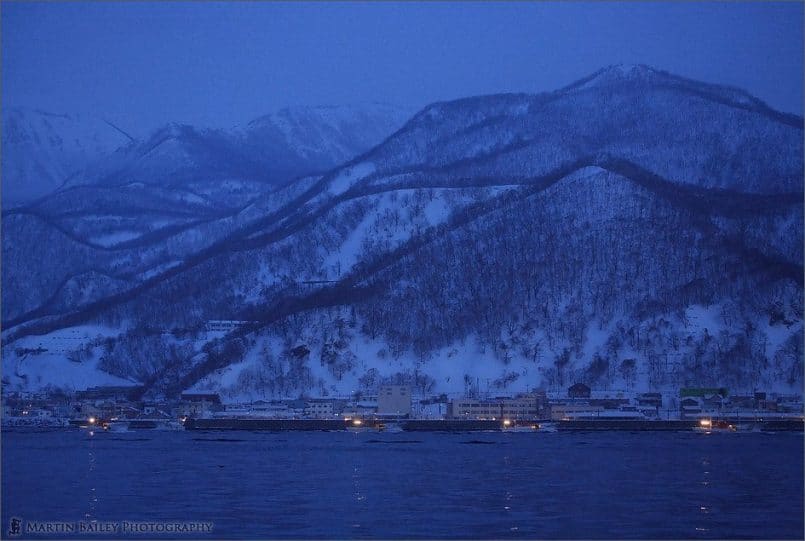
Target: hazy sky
144,64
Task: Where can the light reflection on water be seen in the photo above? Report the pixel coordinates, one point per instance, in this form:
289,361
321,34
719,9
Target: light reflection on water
488,485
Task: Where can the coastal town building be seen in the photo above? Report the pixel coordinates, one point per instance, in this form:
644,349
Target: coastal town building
567,411
199,404
319,409
116,393
394,400
59,408
525,406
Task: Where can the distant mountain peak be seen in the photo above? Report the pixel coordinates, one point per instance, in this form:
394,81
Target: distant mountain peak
631,70
332,113
620,73
172,130
327,134
42,149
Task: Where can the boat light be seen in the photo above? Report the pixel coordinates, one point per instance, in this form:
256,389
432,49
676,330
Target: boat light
506,422
91,420
357,422
705,423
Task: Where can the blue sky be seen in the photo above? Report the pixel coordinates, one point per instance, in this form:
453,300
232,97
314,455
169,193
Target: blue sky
143,64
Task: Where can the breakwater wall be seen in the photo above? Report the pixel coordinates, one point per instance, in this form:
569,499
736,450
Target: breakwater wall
469,425
454,425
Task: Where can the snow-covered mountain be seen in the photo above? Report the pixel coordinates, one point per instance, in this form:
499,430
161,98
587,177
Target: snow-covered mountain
322,136
43,150
632,229
149,203
271,150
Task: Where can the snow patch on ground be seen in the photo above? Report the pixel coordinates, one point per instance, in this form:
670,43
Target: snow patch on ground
112,239
393,218
159,269
437,211
704,317
587,172
596,338
349,176
38,371
66,339
777,335
31,370
189,197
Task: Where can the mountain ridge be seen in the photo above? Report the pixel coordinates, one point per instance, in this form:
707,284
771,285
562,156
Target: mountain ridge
107,164
715,185
242,241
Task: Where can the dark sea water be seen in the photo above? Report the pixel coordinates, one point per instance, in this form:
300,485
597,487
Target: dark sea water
412,485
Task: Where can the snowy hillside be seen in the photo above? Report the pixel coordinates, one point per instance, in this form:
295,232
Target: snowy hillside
43,150
323,136
631,230
269,151
137,211
690,133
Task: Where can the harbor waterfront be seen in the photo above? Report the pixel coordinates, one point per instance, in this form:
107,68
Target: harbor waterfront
671,485
398,407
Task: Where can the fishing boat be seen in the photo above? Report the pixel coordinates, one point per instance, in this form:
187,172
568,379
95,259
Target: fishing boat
357,425
509,426
390,428
714,425
117,426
